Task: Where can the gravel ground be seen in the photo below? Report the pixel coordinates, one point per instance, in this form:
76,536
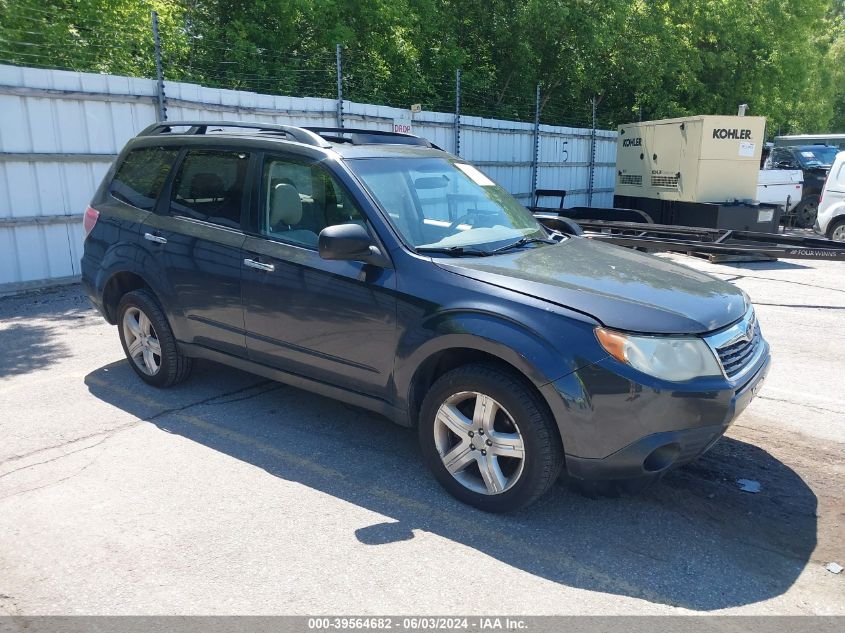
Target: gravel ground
232,494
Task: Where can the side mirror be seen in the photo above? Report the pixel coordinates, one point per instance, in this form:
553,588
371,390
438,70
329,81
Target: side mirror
349,242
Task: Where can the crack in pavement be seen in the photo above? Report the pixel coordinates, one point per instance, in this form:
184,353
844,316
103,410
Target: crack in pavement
801,404
15,458
52,483
784,281
209,400
106,434
53,459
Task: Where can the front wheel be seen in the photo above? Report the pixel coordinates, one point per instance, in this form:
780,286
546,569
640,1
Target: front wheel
488,439
836,232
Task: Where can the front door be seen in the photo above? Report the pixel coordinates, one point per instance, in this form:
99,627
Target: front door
332,321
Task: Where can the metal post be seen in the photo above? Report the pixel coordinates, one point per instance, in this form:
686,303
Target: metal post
592,156
339,85
535,161
458,112
161,113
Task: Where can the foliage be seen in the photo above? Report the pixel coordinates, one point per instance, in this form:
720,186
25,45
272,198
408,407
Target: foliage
638,58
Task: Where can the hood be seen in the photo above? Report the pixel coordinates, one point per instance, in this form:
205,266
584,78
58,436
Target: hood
621,288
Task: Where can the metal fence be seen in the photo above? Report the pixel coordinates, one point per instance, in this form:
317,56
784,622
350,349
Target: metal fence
60,130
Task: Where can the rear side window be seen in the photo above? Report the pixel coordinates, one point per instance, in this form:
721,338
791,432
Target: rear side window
210,186
139,178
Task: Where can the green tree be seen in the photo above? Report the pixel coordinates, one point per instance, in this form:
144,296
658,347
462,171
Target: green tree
649,58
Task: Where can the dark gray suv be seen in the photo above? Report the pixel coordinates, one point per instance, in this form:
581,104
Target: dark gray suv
379,270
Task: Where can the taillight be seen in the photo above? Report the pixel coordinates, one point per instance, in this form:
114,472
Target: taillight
89,220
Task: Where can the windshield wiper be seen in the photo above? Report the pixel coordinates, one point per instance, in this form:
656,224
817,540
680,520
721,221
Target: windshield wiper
453,251
523,242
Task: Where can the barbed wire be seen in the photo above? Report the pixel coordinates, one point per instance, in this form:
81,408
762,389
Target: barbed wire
364,80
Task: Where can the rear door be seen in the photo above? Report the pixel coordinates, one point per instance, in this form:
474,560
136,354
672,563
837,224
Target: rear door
834,189
332,321
196,237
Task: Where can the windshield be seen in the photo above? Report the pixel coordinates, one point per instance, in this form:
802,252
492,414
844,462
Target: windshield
440,203
817,155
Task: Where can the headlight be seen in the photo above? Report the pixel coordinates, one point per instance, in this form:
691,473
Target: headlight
669,358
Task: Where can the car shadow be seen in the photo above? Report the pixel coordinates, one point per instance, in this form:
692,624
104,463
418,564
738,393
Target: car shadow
693,540
776,264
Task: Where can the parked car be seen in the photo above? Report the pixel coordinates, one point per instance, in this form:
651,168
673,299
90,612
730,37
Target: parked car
831,220
379,270
814,161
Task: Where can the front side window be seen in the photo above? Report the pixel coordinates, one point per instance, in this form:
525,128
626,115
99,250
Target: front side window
781,158
210,186
300,200
140,176
441,203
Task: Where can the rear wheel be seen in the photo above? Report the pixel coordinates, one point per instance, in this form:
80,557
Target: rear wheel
488,439
148,341
806,212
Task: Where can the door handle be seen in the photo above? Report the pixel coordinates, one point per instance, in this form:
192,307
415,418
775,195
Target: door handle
259,265
158,239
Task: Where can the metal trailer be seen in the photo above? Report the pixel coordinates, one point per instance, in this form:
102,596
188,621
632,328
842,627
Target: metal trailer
716,244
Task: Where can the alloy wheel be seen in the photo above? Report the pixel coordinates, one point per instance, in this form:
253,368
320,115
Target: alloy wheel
142,344
838,234
479,443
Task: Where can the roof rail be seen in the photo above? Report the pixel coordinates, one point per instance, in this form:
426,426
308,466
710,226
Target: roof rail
359,136
298,134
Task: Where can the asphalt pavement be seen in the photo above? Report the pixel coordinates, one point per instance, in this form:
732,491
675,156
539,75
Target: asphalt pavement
231,494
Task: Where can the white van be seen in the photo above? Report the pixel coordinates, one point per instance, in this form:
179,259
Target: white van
831,218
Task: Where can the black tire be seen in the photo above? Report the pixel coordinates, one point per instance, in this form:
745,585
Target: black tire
543,451
806,212
832,229
174,367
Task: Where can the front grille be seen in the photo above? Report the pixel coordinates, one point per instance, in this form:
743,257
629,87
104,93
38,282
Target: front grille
664,181
735,355
630,179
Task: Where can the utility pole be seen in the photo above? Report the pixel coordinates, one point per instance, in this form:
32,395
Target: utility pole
458,112
592,156
161,113
339,64
535,162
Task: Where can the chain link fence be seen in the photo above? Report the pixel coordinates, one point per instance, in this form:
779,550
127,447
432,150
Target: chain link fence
64,128
33,37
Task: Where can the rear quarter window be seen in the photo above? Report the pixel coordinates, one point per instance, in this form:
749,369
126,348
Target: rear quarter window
141,175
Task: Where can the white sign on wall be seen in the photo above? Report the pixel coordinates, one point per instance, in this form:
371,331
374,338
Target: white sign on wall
403,125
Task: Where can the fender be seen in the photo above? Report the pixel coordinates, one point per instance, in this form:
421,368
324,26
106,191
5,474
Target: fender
540,358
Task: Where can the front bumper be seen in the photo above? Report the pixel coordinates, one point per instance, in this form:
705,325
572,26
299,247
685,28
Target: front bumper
626,430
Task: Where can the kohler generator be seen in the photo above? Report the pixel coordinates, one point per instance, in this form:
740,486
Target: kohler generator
694,171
